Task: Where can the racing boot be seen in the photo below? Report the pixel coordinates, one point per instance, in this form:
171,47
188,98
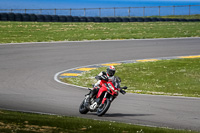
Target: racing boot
87,101
95,104
91,94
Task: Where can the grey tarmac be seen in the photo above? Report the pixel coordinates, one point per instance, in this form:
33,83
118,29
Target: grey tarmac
27,80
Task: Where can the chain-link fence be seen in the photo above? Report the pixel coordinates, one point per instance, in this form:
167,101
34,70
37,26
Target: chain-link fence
114,11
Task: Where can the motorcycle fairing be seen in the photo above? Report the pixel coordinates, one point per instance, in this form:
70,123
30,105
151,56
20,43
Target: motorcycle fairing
101,90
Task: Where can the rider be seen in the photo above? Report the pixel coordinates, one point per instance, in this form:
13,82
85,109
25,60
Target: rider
103,78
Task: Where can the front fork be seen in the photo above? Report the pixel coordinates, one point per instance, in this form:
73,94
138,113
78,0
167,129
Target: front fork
104,98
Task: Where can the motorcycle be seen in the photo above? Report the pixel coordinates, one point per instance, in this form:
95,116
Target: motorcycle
102,101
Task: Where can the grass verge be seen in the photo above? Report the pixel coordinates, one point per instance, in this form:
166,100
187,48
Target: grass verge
17,32
196,16
177,77
17,122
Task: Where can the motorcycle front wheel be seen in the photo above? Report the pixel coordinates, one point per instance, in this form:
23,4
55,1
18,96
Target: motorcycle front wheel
103,108
83,109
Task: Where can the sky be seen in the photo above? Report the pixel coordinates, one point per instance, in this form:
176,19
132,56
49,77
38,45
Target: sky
46,4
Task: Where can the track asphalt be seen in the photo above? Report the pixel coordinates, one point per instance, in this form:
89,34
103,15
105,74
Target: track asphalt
27,80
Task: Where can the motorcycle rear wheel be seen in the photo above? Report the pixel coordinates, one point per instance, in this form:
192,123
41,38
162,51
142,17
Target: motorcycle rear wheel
82,108
103,108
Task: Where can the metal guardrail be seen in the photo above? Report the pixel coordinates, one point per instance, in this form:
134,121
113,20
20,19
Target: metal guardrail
113,12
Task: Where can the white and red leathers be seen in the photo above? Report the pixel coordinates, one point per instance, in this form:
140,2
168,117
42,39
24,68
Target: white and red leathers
103,78
108,78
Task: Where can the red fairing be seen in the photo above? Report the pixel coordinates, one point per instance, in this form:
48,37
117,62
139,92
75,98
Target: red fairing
104,99
103,82
102,89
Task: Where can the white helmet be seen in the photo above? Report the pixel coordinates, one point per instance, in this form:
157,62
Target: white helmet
111,71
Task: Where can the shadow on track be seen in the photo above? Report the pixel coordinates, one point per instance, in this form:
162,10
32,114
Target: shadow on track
123,115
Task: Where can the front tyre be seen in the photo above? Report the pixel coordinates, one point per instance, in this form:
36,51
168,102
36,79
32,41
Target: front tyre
103,108
83,109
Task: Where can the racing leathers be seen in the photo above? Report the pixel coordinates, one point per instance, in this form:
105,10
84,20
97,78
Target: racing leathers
102,78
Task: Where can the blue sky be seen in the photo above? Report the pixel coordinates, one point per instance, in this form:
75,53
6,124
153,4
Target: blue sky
37,4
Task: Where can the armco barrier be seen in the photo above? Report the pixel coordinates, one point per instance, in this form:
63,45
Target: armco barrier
56,18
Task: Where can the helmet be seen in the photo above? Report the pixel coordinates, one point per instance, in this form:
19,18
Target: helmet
111,71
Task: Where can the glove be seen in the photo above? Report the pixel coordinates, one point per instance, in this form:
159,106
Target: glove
104,77
123,92
124,87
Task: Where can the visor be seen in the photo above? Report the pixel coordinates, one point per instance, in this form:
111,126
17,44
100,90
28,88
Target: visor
111,73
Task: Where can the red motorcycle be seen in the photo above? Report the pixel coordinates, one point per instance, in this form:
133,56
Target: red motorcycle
102,101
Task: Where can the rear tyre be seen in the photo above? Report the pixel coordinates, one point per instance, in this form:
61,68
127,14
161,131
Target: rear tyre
83,109
103,108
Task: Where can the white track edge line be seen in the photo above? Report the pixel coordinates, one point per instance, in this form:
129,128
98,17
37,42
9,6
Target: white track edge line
178,38
161,58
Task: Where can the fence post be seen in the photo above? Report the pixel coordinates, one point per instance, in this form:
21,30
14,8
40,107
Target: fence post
143,11
55,11
40,11
70,11
99,12
189,9
84,11
129,11
25,11
114,11
159,10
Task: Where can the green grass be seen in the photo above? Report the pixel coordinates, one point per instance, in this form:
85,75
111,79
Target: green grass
17,122
179,77
17,32
197,16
